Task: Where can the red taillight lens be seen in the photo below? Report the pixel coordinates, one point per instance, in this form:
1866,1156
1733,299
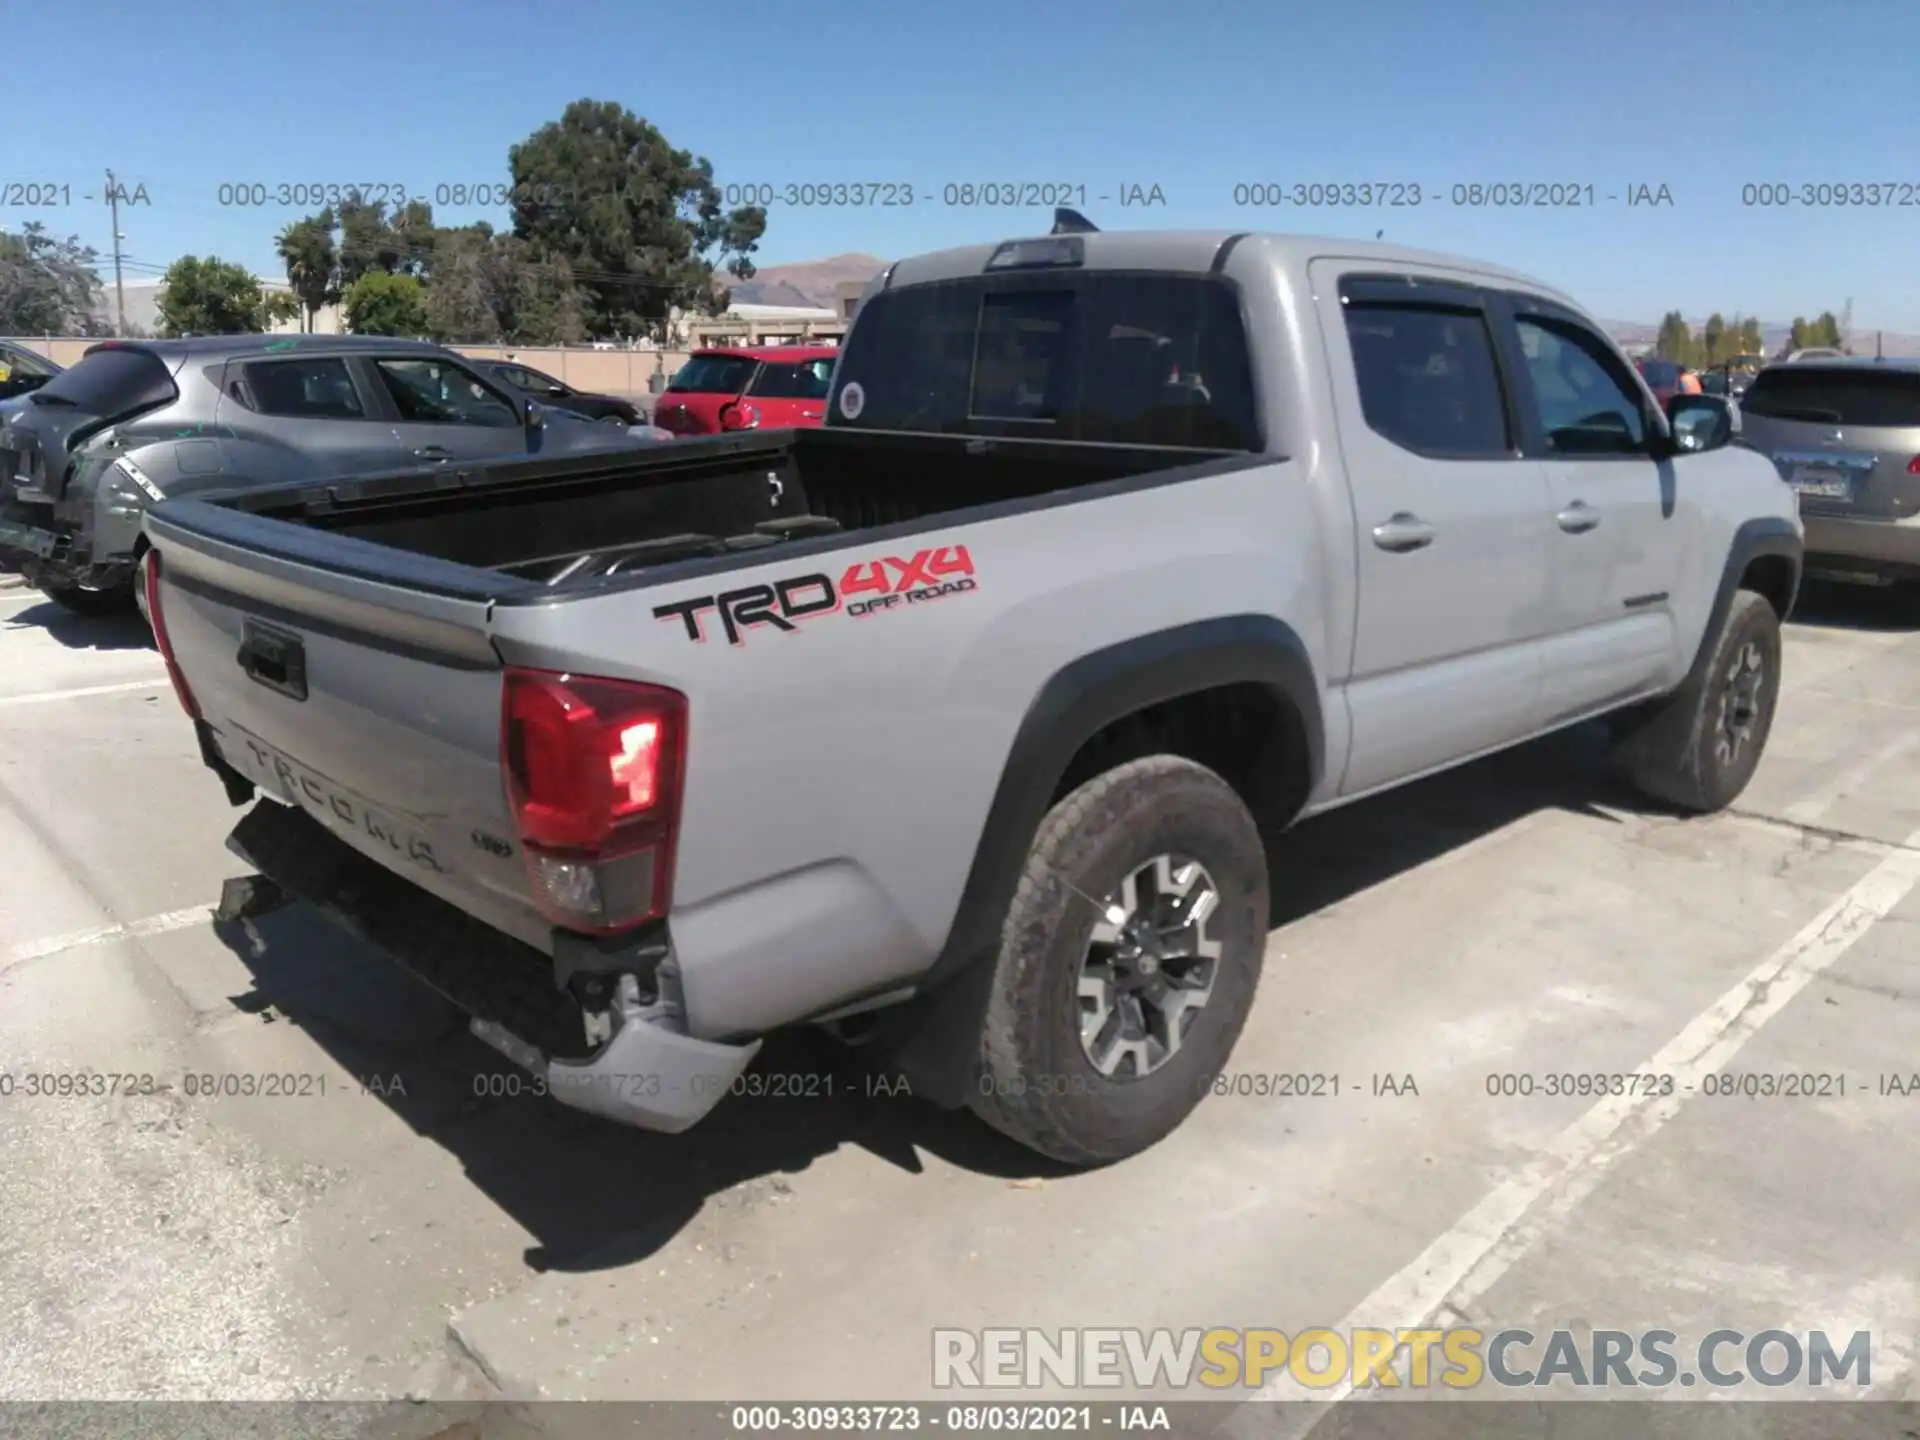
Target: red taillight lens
1913,466
158,620
593,772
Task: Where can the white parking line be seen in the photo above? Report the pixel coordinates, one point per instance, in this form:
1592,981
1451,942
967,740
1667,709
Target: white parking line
43,696
1465,1261
1810,810
53,944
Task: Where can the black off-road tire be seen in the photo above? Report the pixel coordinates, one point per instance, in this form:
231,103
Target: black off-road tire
117,601
1674,755
1035,1081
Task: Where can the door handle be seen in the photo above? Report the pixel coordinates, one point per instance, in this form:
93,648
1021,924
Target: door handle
431,452
1578,518
1403,532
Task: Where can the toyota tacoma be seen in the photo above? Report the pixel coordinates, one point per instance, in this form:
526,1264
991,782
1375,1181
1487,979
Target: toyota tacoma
958,723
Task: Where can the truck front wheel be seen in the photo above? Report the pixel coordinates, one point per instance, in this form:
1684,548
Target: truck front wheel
1697,749
1127,965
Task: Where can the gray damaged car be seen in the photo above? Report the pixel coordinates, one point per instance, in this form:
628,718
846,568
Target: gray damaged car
84,455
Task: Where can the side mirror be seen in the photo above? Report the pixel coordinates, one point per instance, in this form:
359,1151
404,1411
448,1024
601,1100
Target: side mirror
556,389
536,417
1702,422
739,416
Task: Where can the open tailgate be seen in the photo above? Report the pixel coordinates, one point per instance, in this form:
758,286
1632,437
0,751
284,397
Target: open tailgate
355,682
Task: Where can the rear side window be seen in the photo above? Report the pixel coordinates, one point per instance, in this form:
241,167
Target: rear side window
808,381
1115,357
1427,379
112,384
310,389
714,375
1832,397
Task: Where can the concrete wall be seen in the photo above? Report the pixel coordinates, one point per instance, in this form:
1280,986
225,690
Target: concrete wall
609,372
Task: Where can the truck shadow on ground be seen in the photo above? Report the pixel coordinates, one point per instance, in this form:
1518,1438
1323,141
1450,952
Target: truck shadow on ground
597,1196
82,632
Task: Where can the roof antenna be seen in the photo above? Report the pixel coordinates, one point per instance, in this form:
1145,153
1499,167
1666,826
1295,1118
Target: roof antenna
1071,222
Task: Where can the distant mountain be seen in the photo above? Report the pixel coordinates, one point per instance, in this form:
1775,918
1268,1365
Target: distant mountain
810,282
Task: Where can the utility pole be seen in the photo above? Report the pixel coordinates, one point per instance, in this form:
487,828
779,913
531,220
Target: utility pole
119,286
1846,327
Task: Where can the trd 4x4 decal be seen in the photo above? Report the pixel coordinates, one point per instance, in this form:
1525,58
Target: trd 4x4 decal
867,587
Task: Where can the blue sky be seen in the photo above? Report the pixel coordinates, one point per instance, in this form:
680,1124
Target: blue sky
1701,96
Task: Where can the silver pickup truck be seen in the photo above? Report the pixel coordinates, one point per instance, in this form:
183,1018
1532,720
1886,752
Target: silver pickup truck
956,724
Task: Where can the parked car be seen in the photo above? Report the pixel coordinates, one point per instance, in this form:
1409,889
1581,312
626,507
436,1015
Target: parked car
1845,435
87,452
1662,377
538,385
958,722
23,371
747,388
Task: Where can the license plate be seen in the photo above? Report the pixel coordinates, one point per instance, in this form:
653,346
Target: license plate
1821,482
25,537
338,808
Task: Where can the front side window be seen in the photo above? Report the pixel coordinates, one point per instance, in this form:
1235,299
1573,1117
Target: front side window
1427,379
434,392
1582,405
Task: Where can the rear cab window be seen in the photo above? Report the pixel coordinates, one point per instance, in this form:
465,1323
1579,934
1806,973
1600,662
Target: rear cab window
713,375
1834,396
112,383
1107,356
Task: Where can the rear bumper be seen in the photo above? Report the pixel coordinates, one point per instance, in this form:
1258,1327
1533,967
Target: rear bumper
49,551
647,1075
1873,547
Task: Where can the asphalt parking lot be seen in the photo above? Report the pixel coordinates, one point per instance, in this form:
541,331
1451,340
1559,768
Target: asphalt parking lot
407,1232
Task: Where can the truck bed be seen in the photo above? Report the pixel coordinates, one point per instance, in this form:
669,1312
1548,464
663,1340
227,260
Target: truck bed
564,522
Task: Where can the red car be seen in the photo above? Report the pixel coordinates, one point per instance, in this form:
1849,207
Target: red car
1662,377
748,387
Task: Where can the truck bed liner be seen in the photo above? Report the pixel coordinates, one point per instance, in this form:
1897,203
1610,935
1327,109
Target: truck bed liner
581,518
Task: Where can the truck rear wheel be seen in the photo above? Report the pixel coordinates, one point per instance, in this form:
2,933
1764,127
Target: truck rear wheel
1128,962
1698,749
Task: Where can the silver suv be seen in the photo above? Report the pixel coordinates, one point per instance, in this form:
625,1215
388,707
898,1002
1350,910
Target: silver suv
83,456
1846,435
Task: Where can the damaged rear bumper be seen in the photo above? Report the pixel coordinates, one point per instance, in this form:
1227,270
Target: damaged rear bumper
647,1074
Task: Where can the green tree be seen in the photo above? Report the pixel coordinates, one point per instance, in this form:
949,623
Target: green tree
368,243
1713,339
1826,330
48,286
413,233
278,306
313,262
1674,341
638,222
380,303
487,288
1752,342
208,297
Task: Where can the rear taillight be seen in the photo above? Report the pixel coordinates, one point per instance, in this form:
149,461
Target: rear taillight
1913,466
150,566
593,772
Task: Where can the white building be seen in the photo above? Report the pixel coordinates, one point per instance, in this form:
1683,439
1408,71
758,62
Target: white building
143,308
